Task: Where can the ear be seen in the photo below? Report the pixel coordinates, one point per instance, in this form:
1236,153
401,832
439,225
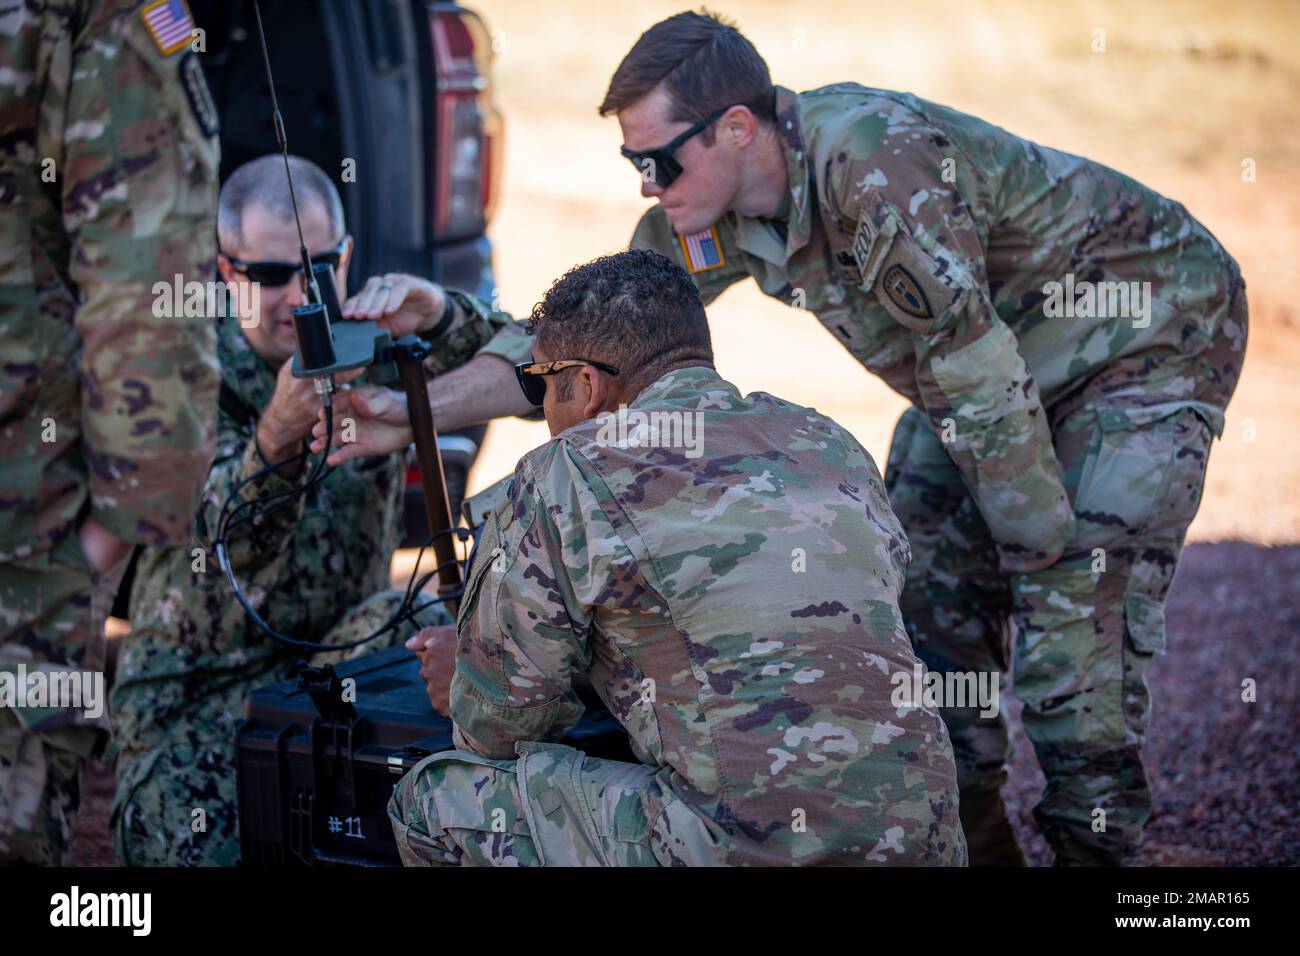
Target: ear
596,390
739,126
227,272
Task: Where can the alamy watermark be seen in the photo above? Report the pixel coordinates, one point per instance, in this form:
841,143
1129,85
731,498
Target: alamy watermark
74,690
176,298
75,909
922,688
1085,299
634,428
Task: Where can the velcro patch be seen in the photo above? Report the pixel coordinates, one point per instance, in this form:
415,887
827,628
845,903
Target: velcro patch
702,250
872,240
863,238
197,92
169,24
915,288
905,292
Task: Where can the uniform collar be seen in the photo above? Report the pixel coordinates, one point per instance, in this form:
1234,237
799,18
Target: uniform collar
757,237
242,369
680,382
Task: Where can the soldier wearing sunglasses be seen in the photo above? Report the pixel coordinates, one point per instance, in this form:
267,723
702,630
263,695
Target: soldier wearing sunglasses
318,568
756,691
1041,438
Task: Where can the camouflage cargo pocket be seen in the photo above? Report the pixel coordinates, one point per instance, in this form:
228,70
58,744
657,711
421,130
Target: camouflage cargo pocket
1125,478
647,822
1144,638
1185,451
125,825
460,804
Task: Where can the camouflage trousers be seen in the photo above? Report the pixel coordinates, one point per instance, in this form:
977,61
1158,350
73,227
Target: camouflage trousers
52,612
551,806
176,804
1086,628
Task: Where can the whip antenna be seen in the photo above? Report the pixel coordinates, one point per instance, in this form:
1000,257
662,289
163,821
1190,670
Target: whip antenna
309,278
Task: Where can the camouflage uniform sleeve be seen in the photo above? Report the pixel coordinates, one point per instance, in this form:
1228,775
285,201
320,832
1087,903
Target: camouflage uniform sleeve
481,328
507,338
918,248
512,343
655,232
545,561
138,182
251,548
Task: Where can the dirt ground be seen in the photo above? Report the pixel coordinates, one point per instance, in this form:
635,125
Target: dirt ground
1196,99
1224,773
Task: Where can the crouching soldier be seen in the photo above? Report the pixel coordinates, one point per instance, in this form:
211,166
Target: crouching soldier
725,569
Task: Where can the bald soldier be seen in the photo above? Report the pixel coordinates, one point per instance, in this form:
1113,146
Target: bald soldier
317,568
1068,339
108,187
725,570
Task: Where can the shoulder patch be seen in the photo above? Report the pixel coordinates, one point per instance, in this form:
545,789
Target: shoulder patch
702,250
197,92
169,24
916,288
872,240
905,292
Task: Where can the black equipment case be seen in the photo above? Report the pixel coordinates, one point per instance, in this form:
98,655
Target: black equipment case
315,770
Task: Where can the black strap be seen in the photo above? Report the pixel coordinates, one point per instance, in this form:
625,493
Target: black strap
448,313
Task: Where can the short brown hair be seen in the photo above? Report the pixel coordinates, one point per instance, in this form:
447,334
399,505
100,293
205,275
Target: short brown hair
706,65
261,181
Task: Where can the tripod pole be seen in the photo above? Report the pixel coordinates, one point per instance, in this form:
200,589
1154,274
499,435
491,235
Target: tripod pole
410,352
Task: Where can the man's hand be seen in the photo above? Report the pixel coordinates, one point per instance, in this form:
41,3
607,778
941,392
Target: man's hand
436,648
368,420
292,411
402,304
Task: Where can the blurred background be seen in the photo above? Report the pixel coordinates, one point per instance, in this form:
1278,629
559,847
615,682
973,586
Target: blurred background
1184,92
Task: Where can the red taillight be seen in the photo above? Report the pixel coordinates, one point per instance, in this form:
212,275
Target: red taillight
469,130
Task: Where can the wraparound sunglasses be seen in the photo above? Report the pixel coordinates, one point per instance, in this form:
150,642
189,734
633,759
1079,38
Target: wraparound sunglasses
532,375
275,274
664,168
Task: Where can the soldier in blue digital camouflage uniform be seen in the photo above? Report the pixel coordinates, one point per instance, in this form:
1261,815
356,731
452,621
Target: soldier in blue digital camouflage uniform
317,568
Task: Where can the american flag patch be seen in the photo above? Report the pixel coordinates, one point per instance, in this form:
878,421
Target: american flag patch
169,23
703,250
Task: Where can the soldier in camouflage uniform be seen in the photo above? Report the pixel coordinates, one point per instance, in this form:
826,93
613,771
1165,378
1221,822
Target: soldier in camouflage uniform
1069,340
108,184
317,569
725,569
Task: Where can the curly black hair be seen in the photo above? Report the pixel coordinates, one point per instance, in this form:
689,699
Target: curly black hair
636,310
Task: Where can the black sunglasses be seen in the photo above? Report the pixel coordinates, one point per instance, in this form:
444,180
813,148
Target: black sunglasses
531,375
275,274
664,168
